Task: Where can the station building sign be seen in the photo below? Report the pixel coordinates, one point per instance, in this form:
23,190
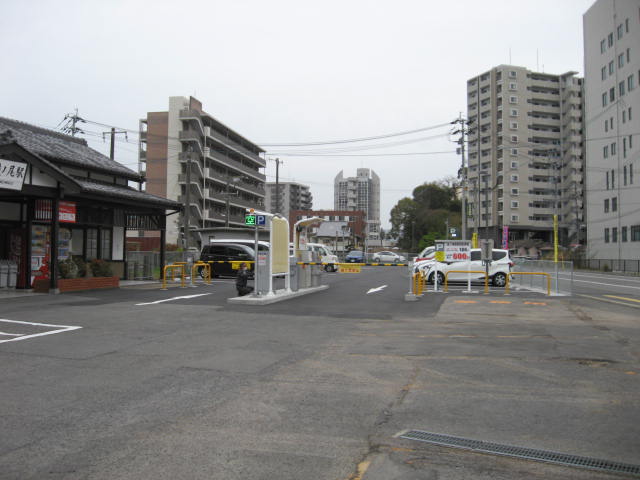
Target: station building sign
12,174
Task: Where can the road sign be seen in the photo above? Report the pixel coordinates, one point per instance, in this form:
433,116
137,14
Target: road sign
486,247
261,219
249,219
453,250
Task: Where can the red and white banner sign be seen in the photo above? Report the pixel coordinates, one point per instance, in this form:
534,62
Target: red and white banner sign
66,211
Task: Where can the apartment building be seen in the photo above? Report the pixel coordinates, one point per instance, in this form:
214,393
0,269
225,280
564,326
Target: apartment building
293,196
361,192
612,112
525,156
189,156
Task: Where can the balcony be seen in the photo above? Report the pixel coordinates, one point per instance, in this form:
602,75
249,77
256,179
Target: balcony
235,165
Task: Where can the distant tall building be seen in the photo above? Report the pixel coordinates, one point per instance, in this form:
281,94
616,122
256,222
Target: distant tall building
612,113
525,155
361,192
189,156
293,196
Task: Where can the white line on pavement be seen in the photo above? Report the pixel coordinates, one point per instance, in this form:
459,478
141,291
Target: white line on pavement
377,289
174,298
65,328
608,284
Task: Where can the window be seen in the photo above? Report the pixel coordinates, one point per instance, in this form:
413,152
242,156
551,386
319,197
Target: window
513,125
614,234
624,148
607,175
628,55
620,31
631,84
515,204
624,175
604,99
629,114
606,205
624,116
105,244
612,94
621,60
635,233
514,138
614,204
513,86
514,178
513,99
603,46
606,235
610,40
613,148
513,74
631,174
603,72
621,86
630,142
92,243
514,164
514,192
613,179
611,65
624,234
515,218
513,112
626,25
606,126
514,151
605,151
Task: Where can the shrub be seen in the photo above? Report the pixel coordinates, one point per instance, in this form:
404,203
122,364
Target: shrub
82,267
100,268
68,268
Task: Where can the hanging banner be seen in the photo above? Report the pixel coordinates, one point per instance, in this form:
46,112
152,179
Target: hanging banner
505,237
12,174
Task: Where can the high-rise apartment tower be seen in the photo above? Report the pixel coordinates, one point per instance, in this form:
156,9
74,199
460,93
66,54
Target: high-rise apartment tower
525,155
189,156
361,192
612,118
293,196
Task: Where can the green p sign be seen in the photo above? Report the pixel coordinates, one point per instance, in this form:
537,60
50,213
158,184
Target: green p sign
249,219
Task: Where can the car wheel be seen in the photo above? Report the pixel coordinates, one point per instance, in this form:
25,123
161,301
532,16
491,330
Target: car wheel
440,278
499,280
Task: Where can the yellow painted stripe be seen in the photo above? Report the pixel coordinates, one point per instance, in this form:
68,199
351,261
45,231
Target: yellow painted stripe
624,298
534,303
609,301
499,301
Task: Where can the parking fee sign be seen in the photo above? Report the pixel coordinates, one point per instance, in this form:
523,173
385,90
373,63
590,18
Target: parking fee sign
454,250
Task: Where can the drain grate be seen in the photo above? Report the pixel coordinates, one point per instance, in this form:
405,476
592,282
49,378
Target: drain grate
522,452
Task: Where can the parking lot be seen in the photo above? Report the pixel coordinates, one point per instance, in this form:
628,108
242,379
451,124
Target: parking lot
144,383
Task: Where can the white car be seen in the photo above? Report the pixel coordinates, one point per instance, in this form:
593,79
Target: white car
428,253
499,269
387,257
326,256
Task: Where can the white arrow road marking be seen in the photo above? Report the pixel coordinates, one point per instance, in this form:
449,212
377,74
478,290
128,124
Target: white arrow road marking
174,298
377,289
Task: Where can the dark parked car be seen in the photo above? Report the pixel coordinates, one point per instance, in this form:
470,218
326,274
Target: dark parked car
355,256
227,252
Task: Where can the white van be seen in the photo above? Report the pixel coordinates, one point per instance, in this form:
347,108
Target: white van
326,255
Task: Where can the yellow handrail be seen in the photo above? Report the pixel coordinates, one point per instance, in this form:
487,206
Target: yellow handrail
530,273
486,278
207,269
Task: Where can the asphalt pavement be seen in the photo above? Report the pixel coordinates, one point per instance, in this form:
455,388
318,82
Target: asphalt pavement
143,383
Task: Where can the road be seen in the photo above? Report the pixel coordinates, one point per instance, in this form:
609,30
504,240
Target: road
614,289
140,383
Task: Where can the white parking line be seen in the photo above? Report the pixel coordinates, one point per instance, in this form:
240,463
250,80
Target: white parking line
60,329
377,289
173,298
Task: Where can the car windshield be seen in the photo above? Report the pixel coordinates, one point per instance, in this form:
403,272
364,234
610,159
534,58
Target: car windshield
355,252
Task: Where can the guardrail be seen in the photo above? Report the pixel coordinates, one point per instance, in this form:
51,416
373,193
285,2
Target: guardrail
486,279
171,268
207,270
529,273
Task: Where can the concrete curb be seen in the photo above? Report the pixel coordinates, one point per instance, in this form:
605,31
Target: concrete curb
279,296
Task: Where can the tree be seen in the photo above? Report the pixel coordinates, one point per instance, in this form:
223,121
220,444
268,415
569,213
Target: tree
427,213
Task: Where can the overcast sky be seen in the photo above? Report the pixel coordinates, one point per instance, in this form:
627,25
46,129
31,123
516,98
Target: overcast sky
282,71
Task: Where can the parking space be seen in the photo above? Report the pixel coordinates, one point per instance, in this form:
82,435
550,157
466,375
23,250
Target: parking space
15,330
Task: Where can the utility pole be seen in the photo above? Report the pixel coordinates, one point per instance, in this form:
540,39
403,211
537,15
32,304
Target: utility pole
187,210
70,127
113,133
277,185
463,170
